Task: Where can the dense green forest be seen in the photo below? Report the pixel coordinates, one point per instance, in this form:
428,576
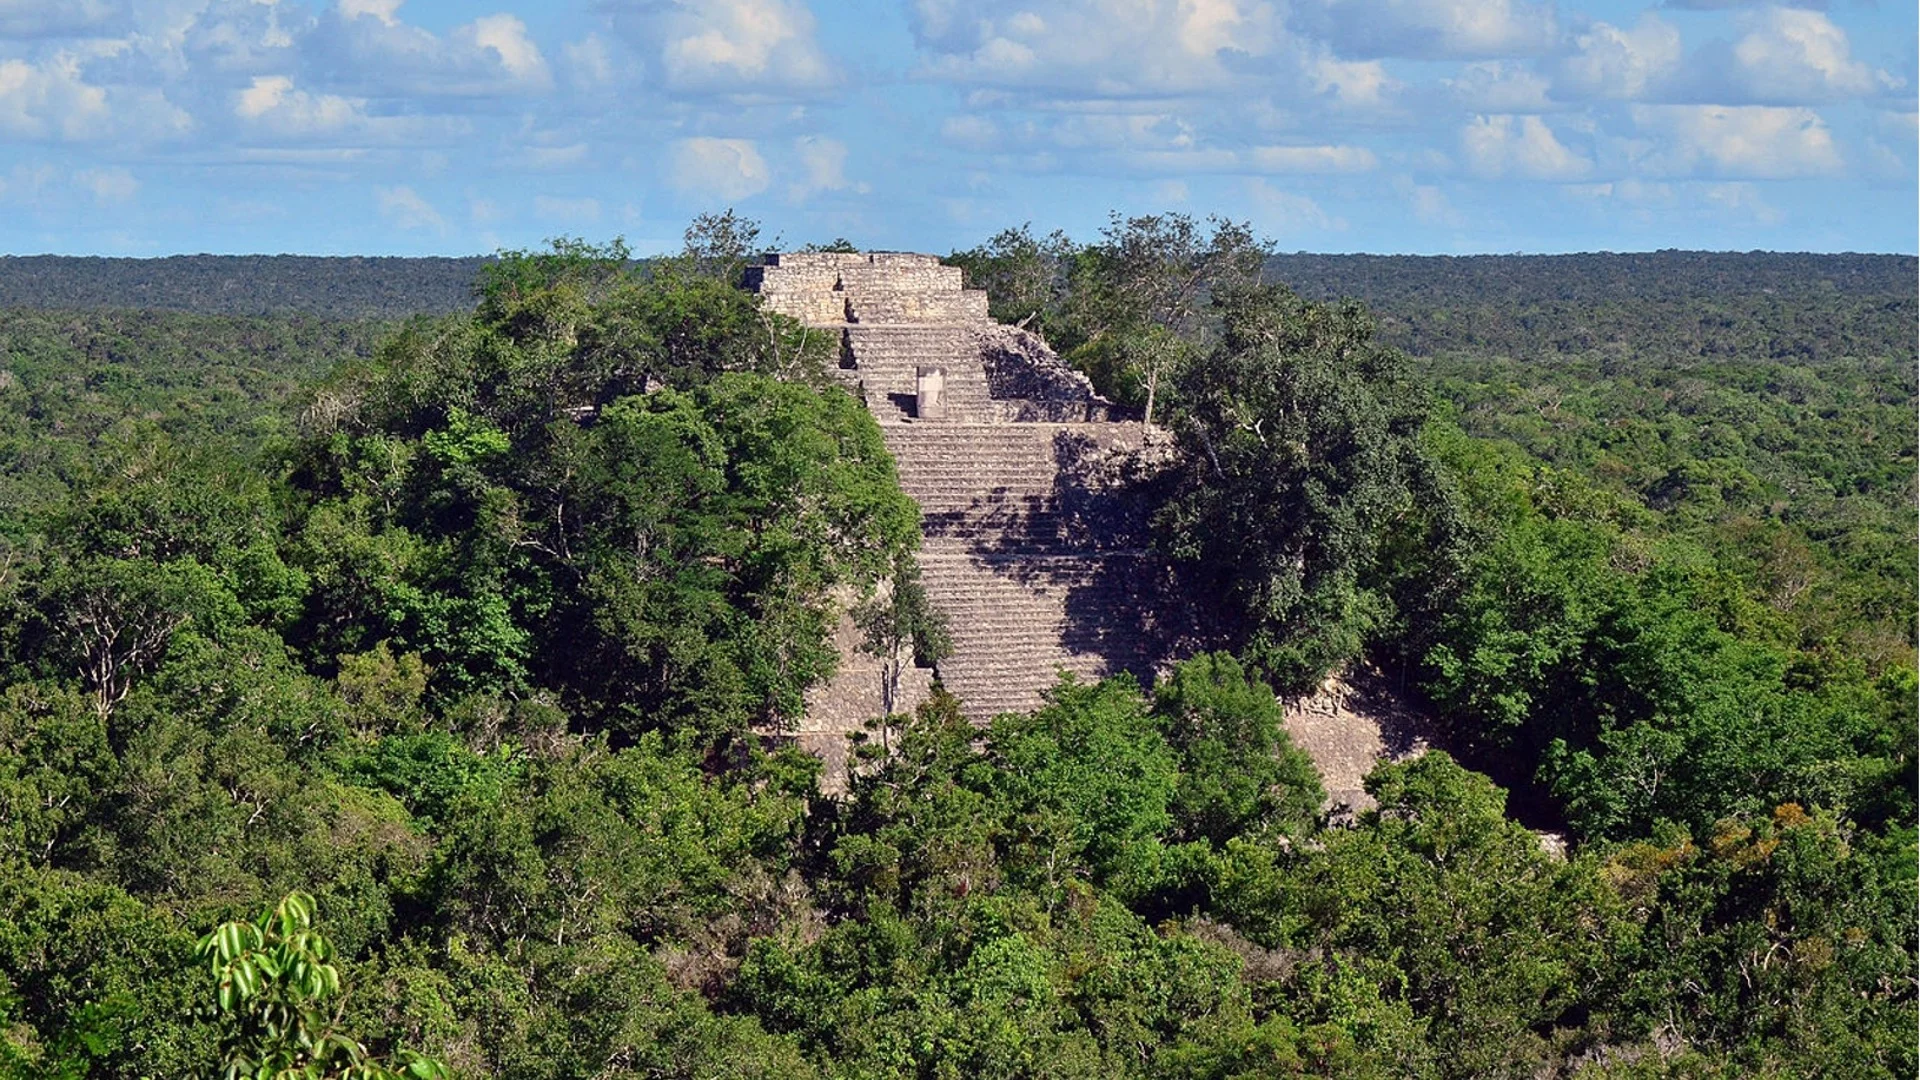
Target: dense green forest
337,287
392,697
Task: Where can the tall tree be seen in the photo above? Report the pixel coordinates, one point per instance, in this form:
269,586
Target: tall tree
1300,452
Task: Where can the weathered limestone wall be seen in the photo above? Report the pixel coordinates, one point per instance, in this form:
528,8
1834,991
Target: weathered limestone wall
1032,545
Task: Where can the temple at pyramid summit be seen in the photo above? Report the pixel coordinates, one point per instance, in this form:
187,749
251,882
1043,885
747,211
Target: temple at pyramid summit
1033,544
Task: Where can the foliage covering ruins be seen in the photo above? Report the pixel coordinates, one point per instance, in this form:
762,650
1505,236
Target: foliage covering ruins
458,648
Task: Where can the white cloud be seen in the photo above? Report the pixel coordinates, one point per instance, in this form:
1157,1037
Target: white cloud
300,110
241,36
1284,213
1795,57
273,109
1171,192
718,168
574,211
1433,29
1611,63
1745,142
970,131
1499,86
365,46
739,48
1742,199
1098,48
1648,203
589,62
1900,125
1430,205
1518,146
53,100
1138,142
23,183
823,167
24,19
384,12
405,209
550,157
109,185
1312,159
1362,84
62,193
506,37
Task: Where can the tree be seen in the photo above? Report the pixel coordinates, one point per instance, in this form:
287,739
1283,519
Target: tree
1300,451
276,977
1240,775
902,623
719,245
1142,293
1086,781
1026,278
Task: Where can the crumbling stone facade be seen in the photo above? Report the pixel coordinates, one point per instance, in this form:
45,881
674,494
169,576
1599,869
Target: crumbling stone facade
1033,546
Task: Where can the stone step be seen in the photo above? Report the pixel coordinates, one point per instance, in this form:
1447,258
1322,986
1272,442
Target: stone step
865,307
1036,572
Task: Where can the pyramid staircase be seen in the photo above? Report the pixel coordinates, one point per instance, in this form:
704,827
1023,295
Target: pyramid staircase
1031,550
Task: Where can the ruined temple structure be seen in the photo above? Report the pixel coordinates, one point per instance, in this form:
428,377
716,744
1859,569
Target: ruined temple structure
1033,546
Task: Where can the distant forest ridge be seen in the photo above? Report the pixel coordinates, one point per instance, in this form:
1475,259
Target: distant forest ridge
338,287
1677,302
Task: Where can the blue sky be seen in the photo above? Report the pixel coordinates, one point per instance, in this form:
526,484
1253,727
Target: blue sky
146,127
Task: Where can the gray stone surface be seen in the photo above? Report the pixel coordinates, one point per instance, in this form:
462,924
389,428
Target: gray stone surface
1033,541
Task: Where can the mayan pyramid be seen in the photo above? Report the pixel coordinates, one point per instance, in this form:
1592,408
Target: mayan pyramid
1031,545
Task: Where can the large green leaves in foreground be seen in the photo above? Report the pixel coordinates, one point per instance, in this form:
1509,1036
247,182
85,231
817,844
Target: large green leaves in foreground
275,976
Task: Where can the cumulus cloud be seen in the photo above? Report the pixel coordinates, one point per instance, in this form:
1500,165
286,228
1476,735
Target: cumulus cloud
1359,84
1432,29
1608,62
729,47
506,37
1728,5
110,185
1647,202
1147,86
1518,146
1432,207
1788,57
403,208
1744,142
1312,159
822,167
1744,200
1500,86
1097,48
52,100
1139,142
242,36
366,47
273,109
549,156
589,62
566,211
725,169
272,99
26,19
1283,213
383,11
